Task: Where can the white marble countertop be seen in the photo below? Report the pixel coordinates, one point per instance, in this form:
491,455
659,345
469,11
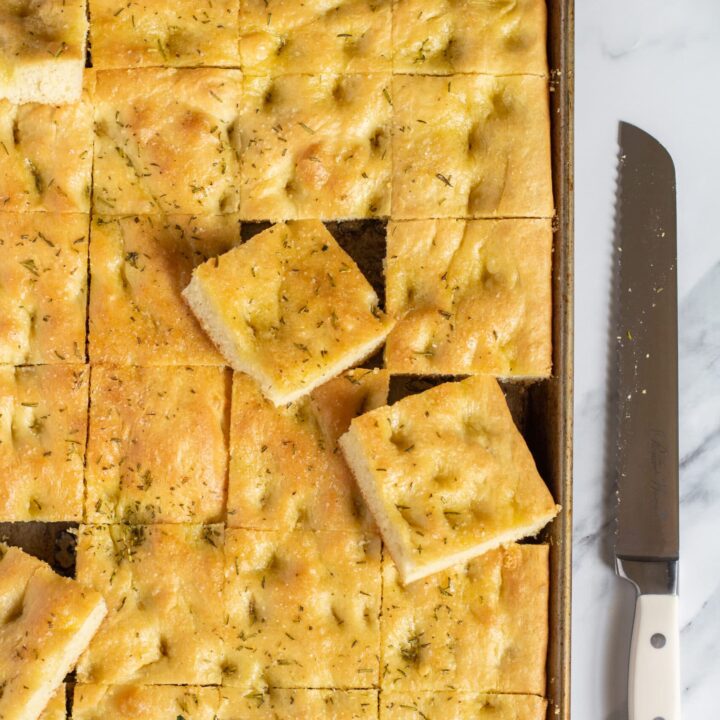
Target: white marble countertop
655,63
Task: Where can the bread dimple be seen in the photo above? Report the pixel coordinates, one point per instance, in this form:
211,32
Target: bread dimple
173,33
163,141
303,609
316,146
461,706
163,587
472,296
471,146
43,421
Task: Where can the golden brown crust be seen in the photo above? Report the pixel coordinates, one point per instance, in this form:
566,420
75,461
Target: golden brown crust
303,609
164,33
473,297
146,460
461,706
480,626
470,36
43,421
55,709
139,266
286,470
471,146
316,147
46,621
43,288
447,475
289,307
282,36
162,141
163,586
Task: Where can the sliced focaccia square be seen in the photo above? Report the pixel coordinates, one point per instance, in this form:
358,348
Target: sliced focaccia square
56,709
42,50
315,146
147,461
43,424
43,288
471,146
286,469
164,33
162,141
303,609
145,702
447,475
139,265
289,307
298,704
478,626
46,621
473,296
461,706
46,153
282,36
470,36
163,586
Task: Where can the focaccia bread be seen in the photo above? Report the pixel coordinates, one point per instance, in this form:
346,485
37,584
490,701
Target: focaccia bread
139,266
43,422
479,626
298,705
315,146
43,288
470,36
303,609
162,141
284,36
447,475
164,33
56,708
46,621
42,50
461,706
473,296
163,587
286,470
145,702
471,146
157,449
46,153
289,307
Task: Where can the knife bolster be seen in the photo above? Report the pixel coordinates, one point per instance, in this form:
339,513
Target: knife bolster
650,577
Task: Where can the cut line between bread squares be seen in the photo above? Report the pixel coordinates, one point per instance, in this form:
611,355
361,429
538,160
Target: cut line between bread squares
289,307
447,475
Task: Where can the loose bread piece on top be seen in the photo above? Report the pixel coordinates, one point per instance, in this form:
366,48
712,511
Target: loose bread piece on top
286,470
447,475
461,706
46,621
284,36
56,709
157,448
164,33
315,146
471,146
42,50
470,36
289,308
473,296
163,586
43,423
478,626
162,141
139,266
43,288
303,609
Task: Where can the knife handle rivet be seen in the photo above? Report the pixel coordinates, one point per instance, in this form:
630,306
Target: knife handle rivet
658,641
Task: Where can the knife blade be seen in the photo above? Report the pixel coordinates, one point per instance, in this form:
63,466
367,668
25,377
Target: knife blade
647,542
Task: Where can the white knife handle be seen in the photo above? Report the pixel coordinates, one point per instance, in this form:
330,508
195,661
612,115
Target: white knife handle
654,686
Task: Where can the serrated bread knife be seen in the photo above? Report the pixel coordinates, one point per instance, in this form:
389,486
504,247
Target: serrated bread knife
647,544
